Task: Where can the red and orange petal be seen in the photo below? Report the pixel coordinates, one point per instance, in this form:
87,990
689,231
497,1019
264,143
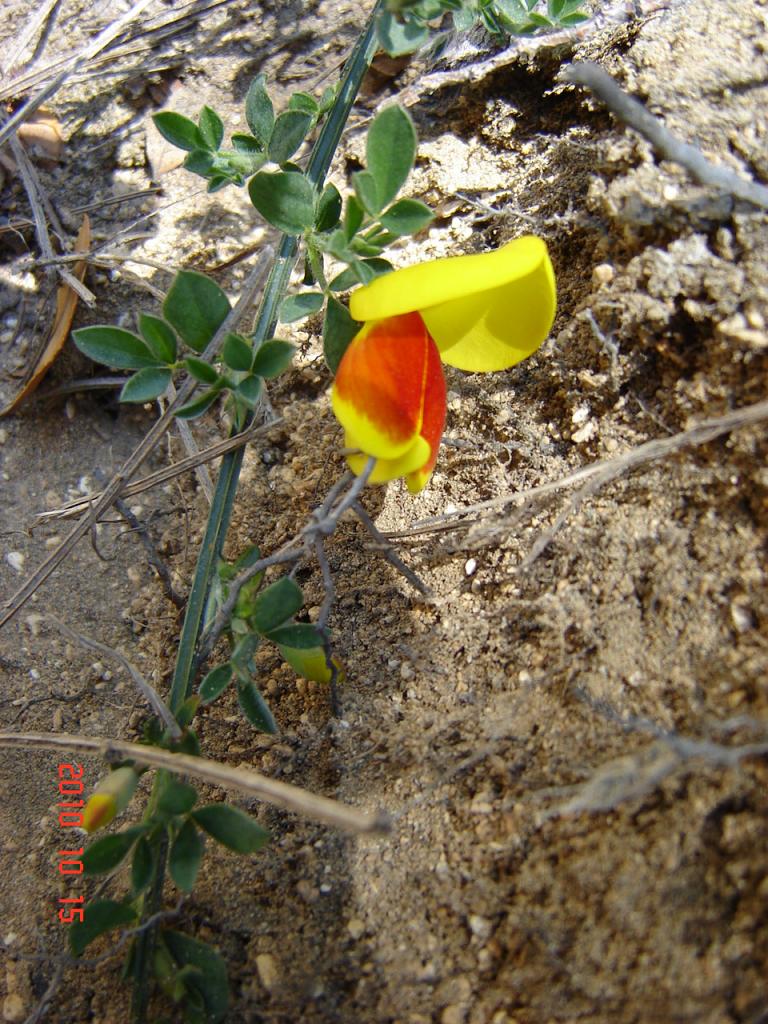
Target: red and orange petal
378,394
433,419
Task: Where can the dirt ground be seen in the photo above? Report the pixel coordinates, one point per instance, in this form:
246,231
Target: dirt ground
578,835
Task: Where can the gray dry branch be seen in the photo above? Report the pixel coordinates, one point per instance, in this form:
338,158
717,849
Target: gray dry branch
279,794
632,113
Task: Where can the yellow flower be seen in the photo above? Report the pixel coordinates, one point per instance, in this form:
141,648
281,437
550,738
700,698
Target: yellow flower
478,313
485,312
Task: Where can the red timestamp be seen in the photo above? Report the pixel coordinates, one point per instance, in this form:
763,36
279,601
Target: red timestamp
70,863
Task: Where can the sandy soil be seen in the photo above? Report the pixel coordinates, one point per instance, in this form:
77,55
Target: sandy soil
556,732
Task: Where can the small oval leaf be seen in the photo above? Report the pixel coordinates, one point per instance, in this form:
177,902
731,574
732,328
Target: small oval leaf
255,708
146,385
231,827
196,307
99,917
185,856
289,131
180,131
285,199
215,683
211,127
296,307
237,353
276,604
105,854
159,335
259,112
115,347
273,357
390,151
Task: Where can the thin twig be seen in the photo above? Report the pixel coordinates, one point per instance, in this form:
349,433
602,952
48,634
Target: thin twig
669,147
383,545
160,476
43,16
22,595
149,694
607,470
153,557
279,794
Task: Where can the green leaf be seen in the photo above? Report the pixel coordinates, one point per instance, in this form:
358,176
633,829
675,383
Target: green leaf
289,132
273,357
159,336
338,331
237,353
209,980
141,866
363,248
353,217
176,797
255,708
285,199
185,856
105,854
218,181
146,385
215,683
573,19
115,347
99,917
199,161
179,130
231,827
196,307
211,128
246,143
250,389
391,151
299,635
367,191
201,370
328,209
406,217
303,101
296,307
276,604
259,112
360,272
399,38
198,405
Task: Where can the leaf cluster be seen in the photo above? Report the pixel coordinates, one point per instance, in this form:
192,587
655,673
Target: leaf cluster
259,614
406,25
271,138
193,311
189,971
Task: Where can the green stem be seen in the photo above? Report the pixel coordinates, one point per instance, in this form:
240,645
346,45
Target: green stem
226,484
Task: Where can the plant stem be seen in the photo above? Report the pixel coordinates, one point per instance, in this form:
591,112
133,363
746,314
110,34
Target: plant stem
226,484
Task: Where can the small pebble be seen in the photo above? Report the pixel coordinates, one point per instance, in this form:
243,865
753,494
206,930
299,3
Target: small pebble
16,560
266,967
470,566
356,928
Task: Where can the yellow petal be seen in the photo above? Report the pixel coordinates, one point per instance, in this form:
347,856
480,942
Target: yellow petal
389,469
485,312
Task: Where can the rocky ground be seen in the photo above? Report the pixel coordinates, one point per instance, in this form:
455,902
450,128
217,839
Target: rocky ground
558,730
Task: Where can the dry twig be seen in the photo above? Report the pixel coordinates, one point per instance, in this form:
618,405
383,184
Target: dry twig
667,145
279,794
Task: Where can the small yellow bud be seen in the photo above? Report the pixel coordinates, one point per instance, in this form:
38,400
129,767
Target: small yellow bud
110,798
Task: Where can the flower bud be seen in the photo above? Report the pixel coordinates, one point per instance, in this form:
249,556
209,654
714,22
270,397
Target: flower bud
110,798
